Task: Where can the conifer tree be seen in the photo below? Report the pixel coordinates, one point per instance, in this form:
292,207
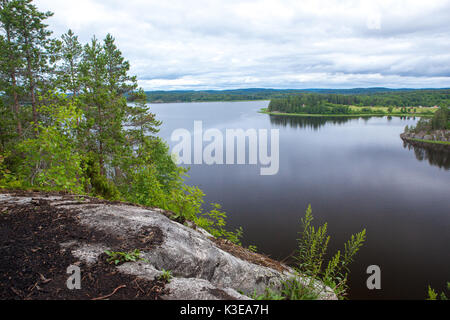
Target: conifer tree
69,70
11,61
33,40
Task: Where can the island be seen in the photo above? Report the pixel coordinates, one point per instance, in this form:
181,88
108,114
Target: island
431,133
421,103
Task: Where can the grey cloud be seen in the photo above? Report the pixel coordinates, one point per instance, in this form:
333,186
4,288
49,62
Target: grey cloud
282,44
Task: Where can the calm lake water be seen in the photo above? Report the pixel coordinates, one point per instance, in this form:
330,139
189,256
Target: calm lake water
356,173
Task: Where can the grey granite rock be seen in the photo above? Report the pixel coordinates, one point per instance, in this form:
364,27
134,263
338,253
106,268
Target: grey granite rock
200,269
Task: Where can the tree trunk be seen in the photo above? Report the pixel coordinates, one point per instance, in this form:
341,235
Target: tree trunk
32,91
16,103
31,81
100,159
14,88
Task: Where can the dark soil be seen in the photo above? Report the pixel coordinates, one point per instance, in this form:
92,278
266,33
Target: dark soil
247,255
33,264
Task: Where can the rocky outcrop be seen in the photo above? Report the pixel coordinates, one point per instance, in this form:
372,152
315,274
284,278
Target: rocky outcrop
436,135
437,140
201,268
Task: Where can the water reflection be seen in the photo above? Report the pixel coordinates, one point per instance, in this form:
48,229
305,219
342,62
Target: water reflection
437,158
355,174
309,122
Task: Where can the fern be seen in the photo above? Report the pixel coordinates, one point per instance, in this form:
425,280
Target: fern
311,252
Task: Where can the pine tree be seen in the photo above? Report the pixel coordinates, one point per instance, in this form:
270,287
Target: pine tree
69,71
105,82
11,61
34,41
30,44
117,69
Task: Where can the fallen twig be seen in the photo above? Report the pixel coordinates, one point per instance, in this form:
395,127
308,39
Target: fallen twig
111,294
139,287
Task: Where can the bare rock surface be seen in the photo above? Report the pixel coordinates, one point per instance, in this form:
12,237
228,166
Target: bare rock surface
200,268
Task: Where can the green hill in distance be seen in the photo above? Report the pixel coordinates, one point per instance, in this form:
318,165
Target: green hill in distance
377,96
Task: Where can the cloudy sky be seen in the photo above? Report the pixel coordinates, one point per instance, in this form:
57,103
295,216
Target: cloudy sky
214,44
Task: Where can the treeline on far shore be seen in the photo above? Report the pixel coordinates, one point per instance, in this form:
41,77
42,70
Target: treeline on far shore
357,97
399,102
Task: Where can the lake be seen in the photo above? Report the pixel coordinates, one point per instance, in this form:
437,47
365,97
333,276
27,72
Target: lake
355,173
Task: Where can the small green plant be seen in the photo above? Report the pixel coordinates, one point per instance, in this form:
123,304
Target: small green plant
214,222
268,294
312,248
117,257
79,198
166,276
186,203
252,248
433,295
312,278
293,289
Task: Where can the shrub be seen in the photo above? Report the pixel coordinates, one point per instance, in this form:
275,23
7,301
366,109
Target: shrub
311,252
117,257
433,295
440,119
49,158
214,222
186,202
98,184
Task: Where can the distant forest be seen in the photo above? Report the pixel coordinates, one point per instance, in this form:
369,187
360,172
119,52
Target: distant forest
357,97
213,95
415,98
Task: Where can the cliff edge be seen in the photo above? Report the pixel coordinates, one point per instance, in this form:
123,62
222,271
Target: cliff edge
43,234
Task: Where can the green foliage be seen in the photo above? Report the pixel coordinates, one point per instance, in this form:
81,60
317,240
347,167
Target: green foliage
51,163
7,178
117,257
293,289
185,202
71,53
214,222
49,159
433,295
307,102
422,125
99,184
311,276
441,119
312,248
356,97
65,123
146,188
166,276
269,294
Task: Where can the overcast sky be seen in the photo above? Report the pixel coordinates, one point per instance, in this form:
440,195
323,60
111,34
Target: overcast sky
212,44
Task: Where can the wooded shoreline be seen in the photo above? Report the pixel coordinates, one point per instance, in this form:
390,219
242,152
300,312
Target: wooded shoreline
349,115
430,144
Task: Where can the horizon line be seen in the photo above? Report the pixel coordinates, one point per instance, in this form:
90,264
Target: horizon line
296,89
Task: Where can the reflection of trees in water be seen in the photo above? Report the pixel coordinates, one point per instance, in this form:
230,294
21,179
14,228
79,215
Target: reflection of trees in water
434,157
309,122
